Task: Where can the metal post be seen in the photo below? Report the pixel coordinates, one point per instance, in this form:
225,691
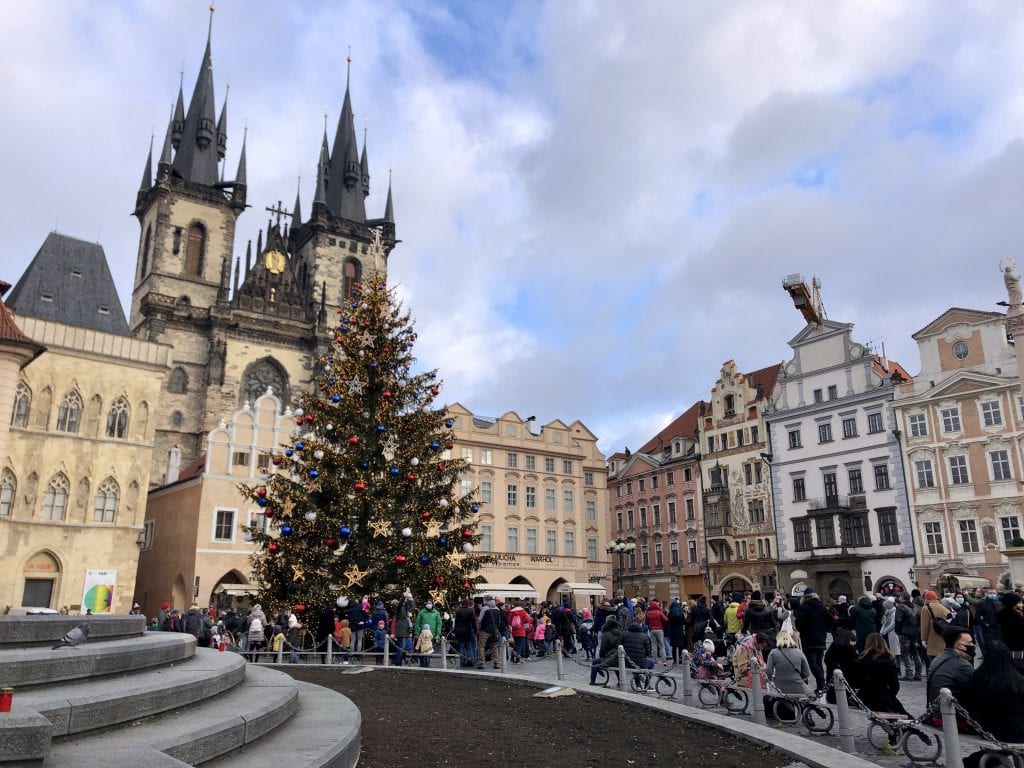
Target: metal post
387,651
558,659
950,735
846,743
330,649
444,653
756,692
687,680
280,652
622,666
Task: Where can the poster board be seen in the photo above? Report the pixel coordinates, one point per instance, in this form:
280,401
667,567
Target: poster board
98,591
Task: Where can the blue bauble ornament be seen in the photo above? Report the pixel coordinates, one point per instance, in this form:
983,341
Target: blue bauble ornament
286,530
443,541
288,452
394,471
425,560
335,398
299,446
435,445
364,465
330,359
355,305
373,365
345,531
343,329
262,501
314,473
331,381
449,423
475,507
433,374
381,427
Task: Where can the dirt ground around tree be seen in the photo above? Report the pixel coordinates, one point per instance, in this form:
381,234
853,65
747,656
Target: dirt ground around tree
423,721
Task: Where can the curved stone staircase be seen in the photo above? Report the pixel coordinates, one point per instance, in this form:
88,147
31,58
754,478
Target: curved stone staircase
131,697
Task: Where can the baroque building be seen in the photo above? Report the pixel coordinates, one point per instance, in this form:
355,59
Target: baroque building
543,505
739,522
963,423
240,323
655,504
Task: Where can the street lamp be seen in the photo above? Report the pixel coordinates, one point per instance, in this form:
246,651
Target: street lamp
620,546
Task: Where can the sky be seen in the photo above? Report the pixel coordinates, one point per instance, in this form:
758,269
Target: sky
597,201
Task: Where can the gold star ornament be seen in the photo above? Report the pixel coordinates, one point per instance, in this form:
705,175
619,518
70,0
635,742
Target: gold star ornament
455,558
355,575
297,573
380,528
437,595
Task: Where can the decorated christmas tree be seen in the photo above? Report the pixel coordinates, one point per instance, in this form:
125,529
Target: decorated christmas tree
362,500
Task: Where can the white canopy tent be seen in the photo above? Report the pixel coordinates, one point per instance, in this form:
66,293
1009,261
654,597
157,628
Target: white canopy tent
965,582
582,588
506,591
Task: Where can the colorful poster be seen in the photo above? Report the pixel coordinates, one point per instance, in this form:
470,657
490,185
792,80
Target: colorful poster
98,593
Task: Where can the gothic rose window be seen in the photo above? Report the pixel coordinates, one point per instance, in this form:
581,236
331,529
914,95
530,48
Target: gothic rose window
259,376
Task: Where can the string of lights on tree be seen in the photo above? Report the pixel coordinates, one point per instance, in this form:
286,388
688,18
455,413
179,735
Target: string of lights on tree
363,501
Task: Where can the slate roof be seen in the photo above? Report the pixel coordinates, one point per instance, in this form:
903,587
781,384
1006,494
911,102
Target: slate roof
684,425
10,333
69,282
764,378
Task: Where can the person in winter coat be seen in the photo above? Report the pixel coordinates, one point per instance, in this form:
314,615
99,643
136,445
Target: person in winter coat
424,645
994,695
787,667
700,618
888,630
356,621
908,626
343,638
519,625
863,617
733,623
717,617
986,620
603,611
401,629
380,640
465,632
1011,627
257,640
751,648
813,621
932,639
657,621
841,655
878,676
607,654
704,663
637,645
759,617
677,630
428,617
953,667
842,613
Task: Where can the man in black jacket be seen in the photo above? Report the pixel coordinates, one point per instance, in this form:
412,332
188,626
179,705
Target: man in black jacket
759,617
637,646
814,622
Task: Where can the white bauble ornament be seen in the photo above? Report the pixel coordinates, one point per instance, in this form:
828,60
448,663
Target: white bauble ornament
342,602
330,427
298,412
318,454
414,461
407,532
442,502
310,516
247,537
467,547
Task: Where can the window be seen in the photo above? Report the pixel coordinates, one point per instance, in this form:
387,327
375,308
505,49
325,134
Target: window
991,414
918,425
825,433
618,491
486,491
641,484
512,494
794,439
1000,465
531,541
825,531
632,560
643,517
690,515
818,396
8,488
512,460
831,488
925,477
855,530
55,501
531,462
22,405
105,508
691,550
566,467
224,525
875,424
486,457
465,487
654,482
950,419
730,405
748,474
672,513
645,557
629,489
753,434
549,499
881,477
263,461
673,553
117,419
799,491
656,513
629,517
551,542
591,549
549,464
659,557
588,479
512,539
567,500
969,536
757,473
1010,525
240,459
739,438
70,413
961,350
511,430
856,483
849,427
933,539
177,382
147,534
467,454
670,478
687,475
570,543
888,529
177,419
194,250
755,509
958,470
556,437
833,392
487,538
531,497
618,520
802,535
711,444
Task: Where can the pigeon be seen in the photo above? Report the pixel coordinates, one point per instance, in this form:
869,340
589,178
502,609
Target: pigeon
74,636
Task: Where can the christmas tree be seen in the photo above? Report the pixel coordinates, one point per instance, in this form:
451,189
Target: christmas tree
363,501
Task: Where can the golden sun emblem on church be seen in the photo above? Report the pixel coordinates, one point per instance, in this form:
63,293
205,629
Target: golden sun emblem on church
274,261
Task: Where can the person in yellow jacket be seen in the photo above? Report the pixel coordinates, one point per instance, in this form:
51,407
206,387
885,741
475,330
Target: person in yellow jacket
733,622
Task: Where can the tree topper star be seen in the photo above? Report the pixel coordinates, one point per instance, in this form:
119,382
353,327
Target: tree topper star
357,386
380,528
355,575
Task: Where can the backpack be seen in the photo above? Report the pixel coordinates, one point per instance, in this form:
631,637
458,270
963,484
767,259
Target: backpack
549,632
195,625
938,625
517,620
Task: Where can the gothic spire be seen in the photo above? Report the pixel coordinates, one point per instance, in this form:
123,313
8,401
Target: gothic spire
147,172
344,193
222,127
197,157
240,173
321,178
364,167
166,159
297,208
178,115
389,208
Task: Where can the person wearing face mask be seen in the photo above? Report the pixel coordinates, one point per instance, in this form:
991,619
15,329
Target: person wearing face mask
963,618
430,618
954,666
986,620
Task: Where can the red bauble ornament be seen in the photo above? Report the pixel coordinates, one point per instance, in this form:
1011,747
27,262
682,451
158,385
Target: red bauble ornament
439,581
466,585
268,512
299,421
410,477
331,543
309,417
360,486
300,607
386,394
353,440
425,515
467,534
272,548
401,559
276,460
261,492
435,391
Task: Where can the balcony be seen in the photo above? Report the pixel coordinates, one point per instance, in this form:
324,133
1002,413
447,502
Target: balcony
717,531
829,504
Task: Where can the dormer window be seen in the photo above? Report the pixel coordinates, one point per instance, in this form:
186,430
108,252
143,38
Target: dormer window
76,273
104,309
730,405
47,297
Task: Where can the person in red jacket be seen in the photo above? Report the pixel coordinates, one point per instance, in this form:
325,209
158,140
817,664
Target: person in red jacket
656,623
519,624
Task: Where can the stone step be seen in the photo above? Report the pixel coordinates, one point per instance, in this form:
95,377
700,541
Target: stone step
41,665
324,732
102,702
24,631
191,734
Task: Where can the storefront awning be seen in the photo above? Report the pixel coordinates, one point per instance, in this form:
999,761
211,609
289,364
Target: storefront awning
237,590
967,582
582,588
506,591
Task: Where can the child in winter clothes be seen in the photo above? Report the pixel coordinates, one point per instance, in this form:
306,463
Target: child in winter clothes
343,638
539,635
424,645
380,641
587,637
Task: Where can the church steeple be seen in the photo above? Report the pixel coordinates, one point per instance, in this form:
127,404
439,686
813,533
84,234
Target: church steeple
344,188
222,128
297,208
178,117
240,180
364,167
147,172
197,156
